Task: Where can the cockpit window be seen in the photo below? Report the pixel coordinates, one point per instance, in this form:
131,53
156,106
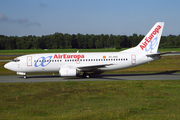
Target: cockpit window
16,60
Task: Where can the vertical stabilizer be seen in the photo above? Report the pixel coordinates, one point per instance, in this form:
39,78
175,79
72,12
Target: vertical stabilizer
150,42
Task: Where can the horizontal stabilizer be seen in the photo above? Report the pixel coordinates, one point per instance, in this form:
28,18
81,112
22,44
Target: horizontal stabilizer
158,54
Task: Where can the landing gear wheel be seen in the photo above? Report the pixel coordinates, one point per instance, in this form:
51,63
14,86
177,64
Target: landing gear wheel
24,76
85,75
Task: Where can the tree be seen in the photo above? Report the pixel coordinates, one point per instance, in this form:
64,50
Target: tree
118,41
106,37
74,41
97,44
90,43
79,38
177,41
79,41
85,41
68,40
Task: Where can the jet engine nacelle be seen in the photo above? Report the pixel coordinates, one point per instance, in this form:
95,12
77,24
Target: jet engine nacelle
68,71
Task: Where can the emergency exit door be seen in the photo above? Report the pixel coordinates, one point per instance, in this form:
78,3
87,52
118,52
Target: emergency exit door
133,59
29,61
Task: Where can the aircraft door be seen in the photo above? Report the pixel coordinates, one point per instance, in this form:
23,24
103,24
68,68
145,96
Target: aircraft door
29,61
133,59
77,61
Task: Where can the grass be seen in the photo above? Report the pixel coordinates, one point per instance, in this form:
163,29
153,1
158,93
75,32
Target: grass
165,64
170,49
101,100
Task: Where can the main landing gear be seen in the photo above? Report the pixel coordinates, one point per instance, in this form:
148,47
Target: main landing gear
85,75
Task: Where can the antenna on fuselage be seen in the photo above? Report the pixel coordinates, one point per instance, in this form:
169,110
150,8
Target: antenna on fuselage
78,51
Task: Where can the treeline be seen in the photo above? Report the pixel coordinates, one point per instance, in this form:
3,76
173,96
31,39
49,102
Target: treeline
79,41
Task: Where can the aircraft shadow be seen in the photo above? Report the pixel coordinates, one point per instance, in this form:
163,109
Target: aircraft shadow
141,74
102,76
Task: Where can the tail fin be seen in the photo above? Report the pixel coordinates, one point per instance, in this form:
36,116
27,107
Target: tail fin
150,42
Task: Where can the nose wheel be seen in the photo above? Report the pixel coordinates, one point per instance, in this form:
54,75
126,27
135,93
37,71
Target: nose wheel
24,76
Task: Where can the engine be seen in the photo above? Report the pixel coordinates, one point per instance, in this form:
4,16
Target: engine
68,71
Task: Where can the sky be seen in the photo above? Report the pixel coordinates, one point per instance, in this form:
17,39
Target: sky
117,17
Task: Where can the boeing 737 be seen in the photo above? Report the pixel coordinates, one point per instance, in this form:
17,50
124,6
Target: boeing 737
72,64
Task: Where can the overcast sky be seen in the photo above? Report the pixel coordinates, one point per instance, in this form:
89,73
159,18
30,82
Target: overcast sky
117,17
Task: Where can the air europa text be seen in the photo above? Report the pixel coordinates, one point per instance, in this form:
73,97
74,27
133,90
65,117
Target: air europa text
66,56
148,39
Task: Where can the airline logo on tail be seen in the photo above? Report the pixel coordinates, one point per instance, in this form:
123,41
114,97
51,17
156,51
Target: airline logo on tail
149,39
152,44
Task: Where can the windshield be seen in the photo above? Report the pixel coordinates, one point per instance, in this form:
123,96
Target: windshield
16,60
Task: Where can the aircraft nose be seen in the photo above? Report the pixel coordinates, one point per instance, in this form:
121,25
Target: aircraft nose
8,66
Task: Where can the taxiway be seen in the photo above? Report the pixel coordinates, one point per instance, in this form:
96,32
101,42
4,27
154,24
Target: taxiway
104,77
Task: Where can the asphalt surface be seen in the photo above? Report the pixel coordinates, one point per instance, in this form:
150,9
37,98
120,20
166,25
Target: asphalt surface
108,77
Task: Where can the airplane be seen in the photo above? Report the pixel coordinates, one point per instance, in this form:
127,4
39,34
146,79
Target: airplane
72,64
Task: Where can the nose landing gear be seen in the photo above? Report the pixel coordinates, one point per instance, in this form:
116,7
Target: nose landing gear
24,76
21,73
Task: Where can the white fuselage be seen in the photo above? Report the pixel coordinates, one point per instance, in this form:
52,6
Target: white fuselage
85,62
